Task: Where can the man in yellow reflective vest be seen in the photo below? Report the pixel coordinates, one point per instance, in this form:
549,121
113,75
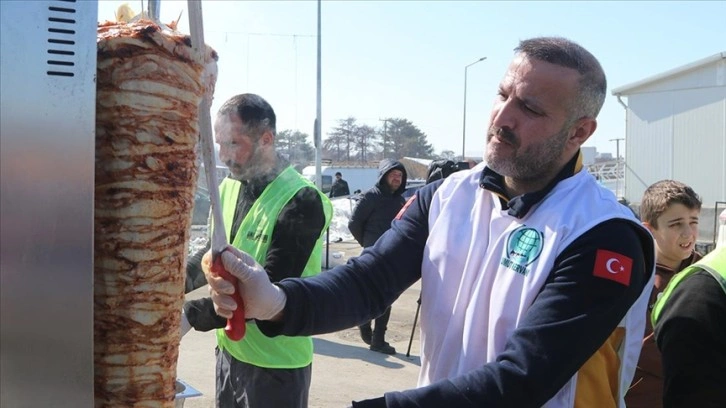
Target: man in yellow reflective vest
278,217
690,331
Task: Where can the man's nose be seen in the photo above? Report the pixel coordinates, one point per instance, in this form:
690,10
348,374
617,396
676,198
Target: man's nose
503,115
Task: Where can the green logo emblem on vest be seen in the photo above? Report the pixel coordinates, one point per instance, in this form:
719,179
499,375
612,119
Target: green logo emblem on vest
524,246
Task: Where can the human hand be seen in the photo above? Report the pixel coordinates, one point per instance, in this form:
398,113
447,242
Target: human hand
262,299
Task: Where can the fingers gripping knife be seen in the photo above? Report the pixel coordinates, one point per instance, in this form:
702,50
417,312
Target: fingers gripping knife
235,329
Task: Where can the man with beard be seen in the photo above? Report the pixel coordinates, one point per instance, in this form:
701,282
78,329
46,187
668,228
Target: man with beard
371,217
532,275
278,217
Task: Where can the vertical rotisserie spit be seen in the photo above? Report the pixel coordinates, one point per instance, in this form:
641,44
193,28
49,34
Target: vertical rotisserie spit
148,92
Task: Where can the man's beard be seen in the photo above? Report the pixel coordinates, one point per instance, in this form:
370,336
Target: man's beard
531,163
250,169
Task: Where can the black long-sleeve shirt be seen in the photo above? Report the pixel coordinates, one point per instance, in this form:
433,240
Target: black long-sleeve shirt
296,232
691,334
339,188
571,318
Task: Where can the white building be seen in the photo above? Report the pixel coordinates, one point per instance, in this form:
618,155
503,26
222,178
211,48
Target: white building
588,154
676,129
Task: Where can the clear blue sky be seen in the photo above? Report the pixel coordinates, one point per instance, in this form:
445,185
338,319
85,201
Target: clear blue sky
406,58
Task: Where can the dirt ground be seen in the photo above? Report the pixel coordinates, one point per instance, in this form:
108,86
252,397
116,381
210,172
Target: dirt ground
343,368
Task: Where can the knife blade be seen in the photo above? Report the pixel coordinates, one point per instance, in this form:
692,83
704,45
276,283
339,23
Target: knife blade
235,328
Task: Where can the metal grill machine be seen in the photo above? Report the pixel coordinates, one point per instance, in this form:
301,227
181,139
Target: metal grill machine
47,126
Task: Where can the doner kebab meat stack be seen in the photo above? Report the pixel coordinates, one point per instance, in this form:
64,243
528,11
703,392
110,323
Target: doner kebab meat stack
148,93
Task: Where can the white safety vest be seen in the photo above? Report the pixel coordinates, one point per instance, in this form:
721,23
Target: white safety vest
483,268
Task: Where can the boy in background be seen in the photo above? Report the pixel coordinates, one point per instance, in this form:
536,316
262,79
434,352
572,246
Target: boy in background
670,210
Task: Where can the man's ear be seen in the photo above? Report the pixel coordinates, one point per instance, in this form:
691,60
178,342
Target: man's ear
267,138
582,130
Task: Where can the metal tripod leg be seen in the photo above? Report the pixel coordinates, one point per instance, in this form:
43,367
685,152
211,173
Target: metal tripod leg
413,329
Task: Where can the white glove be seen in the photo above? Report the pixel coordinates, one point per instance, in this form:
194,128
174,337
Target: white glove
184,327
262,300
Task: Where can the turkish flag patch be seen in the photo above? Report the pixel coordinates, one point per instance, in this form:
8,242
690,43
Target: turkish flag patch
613,266
405,207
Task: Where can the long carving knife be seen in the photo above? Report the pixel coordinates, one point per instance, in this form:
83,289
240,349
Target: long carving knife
235,329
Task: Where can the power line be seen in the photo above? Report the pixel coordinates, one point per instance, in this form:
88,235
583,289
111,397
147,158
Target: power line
264,34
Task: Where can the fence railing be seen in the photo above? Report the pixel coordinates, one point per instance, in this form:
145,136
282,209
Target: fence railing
611,174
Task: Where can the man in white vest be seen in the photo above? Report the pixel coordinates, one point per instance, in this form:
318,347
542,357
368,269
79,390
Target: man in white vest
533,275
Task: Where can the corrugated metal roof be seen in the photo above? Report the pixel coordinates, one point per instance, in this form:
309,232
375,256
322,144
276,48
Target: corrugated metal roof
627,89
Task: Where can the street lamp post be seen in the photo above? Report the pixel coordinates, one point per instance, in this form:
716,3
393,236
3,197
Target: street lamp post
463,136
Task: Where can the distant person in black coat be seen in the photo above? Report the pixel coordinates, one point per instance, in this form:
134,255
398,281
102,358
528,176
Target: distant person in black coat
339,187
370,219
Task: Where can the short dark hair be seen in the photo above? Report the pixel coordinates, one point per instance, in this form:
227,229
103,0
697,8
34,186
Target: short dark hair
566,53
661,195
254,111
337,173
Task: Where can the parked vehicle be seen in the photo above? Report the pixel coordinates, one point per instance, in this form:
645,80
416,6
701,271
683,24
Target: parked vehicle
358,177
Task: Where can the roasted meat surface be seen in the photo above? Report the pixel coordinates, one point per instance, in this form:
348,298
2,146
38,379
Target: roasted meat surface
148,92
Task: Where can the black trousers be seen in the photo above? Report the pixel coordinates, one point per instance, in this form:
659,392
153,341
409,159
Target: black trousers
381,324
242,385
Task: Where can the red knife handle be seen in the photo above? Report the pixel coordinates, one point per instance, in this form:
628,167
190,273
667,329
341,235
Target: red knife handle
235,329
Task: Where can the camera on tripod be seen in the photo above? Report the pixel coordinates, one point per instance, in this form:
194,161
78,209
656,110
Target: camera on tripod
440,169
462,165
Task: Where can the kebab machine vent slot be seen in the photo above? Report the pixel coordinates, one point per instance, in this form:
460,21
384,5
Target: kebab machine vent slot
61,38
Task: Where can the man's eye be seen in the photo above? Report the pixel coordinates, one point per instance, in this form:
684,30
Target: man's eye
530,110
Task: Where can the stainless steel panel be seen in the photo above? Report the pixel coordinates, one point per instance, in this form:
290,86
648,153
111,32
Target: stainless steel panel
47,121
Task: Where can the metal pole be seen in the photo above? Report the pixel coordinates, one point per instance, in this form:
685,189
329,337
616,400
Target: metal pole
154,9
463,135
318,123
617,166
463,127
413,329
327,249
385,135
